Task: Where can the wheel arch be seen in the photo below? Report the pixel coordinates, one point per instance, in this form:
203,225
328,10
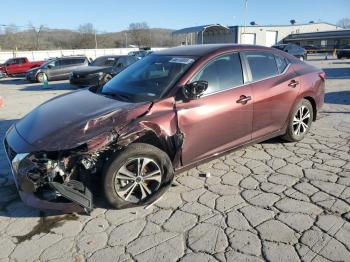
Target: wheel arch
313,103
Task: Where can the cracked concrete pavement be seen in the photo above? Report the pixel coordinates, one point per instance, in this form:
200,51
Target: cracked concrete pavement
271,201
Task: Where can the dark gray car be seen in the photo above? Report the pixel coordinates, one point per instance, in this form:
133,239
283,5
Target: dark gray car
57,68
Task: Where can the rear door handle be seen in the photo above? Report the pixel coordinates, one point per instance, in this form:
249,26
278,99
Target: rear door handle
293,83
244,99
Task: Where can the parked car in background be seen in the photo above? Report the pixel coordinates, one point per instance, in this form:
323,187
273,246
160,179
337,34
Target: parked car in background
312,49
293,49
343,52
140,54
19,65
164,114
101,70
56,68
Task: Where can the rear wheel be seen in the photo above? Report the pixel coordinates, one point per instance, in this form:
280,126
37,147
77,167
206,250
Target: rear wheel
138,175
300,122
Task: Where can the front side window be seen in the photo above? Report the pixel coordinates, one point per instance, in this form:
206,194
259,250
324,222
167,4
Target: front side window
149,78
222,73
262,65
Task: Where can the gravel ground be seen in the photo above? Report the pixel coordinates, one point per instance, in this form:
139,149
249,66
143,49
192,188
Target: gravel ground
272,201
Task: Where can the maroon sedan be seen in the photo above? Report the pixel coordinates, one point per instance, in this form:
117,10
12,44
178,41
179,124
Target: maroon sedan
162,115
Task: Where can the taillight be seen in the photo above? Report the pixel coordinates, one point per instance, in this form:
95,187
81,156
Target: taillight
322,75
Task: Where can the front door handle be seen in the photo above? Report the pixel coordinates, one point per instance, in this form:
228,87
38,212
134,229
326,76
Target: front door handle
293,83
244,99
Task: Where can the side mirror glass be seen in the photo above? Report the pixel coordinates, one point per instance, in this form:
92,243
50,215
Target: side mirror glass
195,89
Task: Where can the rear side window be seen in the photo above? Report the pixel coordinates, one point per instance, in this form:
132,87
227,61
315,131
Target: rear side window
76,61
262,65
281,63
65,62
222,73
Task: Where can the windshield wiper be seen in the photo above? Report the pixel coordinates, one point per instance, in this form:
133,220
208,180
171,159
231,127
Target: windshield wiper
116,95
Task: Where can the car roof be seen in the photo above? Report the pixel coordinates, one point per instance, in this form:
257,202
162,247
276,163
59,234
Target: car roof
68,57
116,56
201,50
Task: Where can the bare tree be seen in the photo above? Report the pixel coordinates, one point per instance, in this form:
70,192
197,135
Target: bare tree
86,38
344,23
140,34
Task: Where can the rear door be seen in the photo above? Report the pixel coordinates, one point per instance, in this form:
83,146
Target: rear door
217,121
274,86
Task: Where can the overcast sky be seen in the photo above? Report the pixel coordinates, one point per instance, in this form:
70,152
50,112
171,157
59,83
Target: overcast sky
109,15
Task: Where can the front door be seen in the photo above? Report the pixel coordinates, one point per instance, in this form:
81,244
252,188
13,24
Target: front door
222,117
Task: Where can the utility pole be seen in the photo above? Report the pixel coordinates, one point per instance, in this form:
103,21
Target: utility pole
95,40
38,35
245,14
244,19
126,39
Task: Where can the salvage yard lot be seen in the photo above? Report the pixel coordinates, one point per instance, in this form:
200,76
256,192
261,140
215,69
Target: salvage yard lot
272,201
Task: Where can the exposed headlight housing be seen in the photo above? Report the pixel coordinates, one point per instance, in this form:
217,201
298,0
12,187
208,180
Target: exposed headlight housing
17,161
100,75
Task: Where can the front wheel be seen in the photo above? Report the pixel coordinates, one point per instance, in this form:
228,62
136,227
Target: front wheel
137,175
300,122
41,77
106,78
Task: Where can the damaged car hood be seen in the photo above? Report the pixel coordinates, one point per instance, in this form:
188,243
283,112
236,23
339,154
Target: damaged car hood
72,119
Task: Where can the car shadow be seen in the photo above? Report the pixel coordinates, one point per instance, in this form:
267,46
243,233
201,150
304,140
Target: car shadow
337,73
13,81
338,98
275,140
51,86
341,63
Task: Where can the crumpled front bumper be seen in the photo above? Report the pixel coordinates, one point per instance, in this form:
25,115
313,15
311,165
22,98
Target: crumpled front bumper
15,145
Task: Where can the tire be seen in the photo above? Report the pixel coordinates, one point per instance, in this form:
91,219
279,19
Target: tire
106,78
40,77
123,165
294,123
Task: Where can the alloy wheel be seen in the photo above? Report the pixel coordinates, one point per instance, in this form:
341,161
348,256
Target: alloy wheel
301,121
138,179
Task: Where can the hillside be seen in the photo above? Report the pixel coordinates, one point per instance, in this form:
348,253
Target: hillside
50,39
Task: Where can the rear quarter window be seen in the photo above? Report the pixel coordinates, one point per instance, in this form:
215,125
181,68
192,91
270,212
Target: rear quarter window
262,65
281,63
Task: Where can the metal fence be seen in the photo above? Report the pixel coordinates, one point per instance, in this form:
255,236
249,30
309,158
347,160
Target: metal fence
45,54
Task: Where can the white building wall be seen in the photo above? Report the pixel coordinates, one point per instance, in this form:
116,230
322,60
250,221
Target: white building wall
282,31
45,54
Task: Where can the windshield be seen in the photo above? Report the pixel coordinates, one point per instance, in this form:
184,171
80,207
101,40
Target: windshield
104,61
148,78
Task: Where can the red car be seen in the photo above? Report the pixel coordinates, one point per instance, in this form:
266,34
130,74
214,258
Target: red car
19,65
162,115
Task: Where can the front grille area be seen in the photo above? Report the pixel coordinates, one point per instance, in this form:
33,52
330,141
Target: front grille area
9,151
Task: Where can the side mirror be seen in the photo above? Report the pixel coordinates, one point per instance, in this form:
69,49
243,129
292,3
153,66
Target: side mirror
49,66
195,89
